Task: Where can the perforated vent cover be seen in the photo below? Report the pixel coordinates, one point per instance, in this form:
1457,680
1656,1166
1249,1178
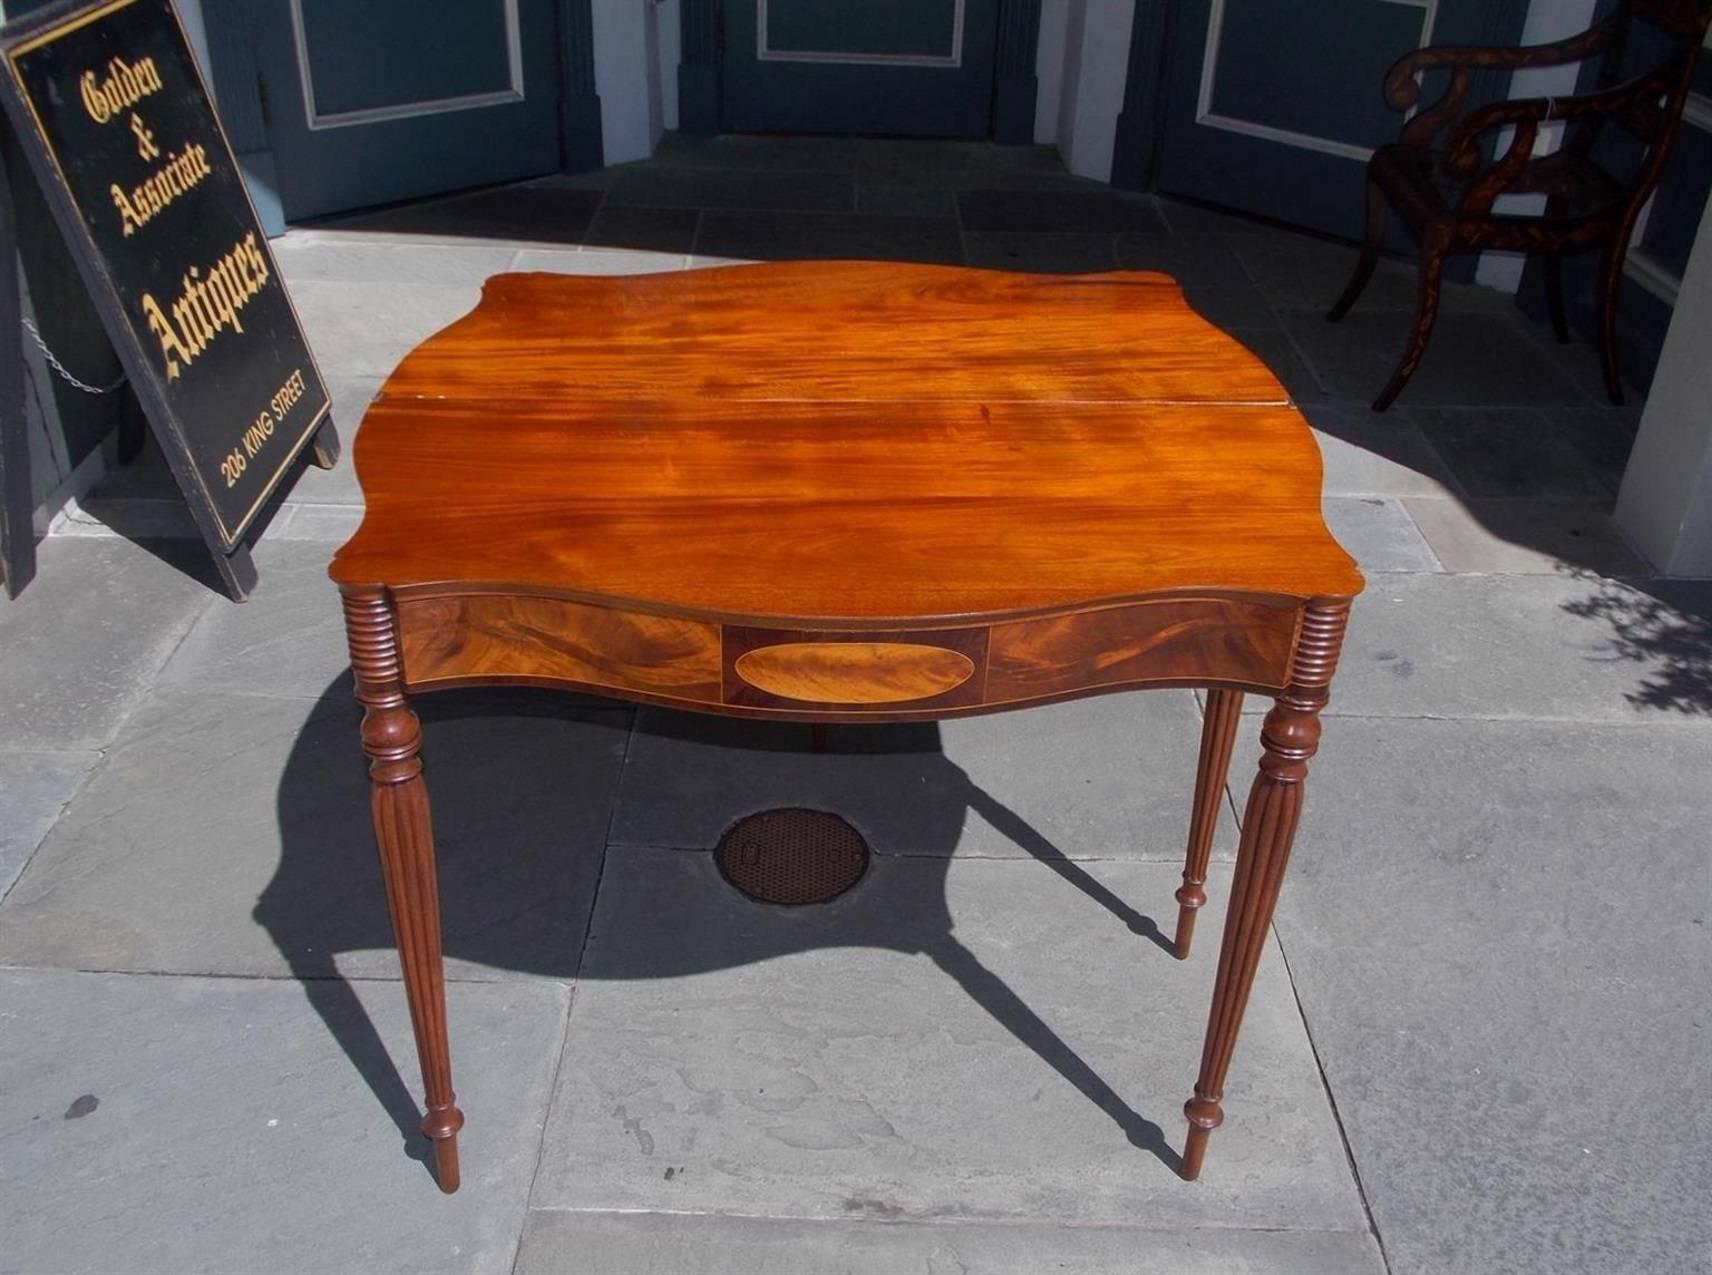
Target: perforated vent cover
792,856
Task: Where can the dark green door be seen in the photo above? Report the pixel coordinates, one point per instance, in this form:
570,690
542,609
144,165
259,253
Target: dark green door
915,67
1273,106
390,99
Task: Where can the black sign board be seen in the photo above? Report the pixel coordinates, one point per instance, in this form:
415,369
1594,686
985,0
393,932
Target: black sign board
111,108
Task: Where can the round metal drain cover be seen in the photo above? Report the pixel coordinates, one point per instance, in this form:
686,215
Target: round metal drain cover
792,856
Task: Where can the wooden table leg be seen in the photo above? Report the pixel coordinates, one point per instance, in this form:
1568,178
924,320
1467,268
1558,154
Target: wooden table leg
392,738
1289,737
1218,737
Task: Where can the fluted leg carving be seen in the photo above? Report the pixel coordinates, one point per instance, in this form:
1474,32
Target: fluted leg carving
1289,737
392,739
1218,737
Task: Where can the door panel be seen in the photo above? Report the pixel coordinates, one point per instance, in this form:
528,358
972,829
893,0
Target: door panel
915,67
461,53
1274,107
392,99
924,29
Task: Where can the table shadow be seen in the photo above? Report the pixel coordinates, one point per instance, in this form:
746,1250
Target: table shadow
326,899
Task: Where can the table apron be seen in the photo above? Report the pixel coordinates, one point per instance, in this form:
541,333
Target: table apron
830,673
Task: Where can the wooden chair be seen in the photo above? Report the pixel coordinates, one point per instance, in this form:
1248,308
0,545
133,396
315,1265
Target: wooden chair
1439,177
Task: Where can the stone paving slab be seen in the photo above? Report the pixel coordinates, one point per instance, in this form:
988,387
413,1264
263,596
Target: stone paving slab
1378,533
1524,537
653,230
1376,455
757,190
309,256
288,639
1108,777
1565,647
229,834
331,525
525,212
743,151
556,1241
1236,308
950,1039
1498,932
1479,360
359,329
1299,272
1512,453
1279,353
798,236
35,788
603,261
164,1126
1302,272
1069,252
83,642
1193,260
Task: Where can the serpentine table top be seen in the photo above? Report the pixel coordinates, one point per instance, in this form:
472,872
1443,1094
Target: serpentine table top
835,492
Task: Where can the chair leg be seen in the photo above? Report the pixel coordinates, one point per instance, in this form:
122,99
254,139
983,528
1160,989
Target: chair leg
1554,297
1369,254
1555,207
1610,278
1433,250
1218,737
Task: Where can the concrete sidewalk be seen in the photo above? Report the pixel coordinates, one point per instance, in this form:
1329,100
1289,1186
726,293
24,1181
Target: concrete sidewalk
1478,1043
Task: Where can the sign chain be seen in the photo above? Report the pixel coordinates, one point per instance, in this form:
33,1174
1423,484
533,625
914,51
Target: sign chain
57,366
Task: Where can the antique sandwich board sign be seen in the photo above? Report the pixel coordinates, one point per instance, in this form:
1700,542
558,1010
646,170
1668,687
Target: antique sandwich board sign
111,108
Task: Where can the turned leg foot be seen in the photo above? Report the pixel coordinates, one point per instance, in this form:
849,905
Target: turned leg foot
1218,737
1288,740
404,834
1205,1115
446,1155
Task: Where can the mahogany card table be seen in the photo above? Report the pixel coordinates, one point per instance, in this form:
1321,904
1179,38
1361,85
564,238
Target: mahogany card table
844,492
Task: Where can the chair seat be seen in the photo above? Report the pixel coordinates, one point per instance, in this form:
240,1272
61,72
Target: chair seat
1415,180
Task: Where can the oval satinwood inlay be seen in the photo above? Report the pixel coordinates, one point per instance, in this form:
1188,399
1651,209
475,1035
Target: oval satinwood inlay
854,672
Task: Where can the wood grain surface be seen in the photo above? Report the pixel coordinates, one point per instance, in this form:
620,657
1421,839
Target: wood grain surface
854,672
840,443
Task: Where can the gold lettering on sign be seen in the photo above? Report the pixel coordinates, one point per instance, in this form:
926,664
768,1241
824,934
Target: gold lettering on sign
259,431
127,83
207,305
181,172
145,138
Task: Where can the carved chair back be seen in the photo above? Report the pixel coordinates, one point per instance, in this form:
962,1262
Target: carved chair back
1646,73
1647,50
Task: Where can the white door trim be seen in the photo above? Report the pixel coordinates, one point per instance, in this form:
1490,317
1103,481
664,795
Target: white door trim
1205,115
953,60
317,120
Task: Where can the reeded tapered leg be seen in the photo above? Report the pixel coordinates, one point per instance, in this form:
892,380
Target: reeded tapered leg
1369,258
392,738
1288,739
1218,737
